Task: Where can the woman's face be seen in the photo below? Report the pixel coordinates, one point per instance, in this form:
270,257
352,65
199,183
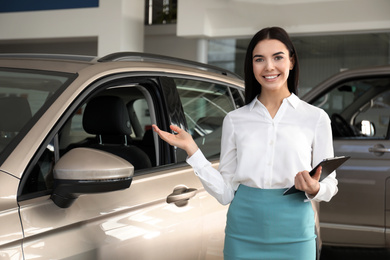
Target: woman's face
271,65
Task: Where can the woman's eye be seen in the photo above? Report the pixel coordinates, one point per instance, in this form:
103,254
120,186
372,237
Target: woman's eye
259,60
278,58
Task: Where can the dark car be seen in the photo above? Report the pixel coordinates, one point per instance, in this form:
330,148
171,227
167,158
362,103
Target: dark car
358,103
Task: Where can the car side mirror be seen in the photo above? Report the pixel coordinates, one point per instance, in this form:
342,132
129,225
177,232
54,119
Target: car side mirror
367,128
86,171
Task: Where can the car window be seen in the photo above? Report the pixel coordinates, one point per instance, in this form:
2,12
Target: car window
373,118
358,108
238,96
113,120
40,179
22,94
97,124
205,105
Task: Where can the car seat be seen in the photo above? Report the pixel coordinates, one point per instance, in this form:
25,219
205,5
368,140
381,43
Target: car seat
108,119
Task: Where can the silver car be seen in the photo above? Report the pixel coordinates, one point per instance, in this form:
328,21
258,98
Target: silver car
83,176
358,102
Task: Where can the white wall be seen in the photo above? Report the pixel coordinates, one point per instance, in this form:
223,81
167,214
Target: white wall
162,40
236,18
118,25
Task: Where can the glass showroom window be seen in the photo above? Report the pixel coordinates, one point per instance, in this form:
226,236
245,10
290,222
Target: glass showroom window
320,56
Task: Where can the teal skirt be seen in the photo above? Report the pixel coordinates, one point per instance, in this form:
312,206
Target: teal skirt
264,224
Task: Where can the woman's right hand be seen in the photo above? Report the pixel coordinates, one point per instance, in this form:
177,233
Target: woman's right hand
182,139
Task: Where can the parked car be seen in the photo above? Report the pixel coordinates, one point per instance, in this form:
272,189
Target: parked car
68,124
83,176
358,102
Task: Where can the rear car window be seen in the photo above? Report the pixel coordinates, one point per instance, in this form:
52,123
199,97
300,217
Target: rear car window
205,105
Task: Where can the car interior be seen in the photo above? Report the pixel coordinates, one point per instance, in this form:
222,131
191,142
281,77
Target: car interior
359,109
15,112
118,121
205,106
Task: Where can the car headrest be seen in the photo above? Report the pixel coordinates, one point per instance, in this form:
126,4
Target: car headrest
106,115
14,113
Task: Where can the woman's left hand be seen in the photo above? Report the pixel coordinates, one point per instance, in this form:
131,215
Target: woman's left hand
307,183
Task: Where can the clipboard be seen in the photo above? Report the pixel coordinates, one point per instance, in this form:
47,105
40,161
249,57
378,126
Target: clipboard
328,166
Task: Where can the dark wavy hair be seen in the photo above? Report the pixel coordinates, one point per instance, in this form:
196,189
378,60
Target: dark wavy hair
252,86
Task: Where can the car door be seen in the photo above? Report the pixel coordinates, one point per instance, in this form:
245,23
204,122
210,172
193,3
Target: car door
23,93
160,216
11,231
205,104
359,107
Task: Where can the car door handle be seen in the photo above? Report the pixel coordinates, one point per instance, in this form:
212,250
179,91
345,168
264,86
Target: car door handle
378,149
181,195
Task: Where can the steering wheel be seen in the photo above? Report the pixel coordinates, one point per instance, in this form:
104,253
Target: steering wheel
341,127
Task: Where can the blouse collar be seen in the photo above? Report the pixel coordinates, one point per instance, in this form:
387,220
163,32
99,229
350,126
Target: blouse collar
293,100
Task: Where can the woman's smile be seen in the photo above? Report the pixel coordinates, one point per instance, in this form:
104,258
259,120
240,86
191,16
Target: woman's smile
271,77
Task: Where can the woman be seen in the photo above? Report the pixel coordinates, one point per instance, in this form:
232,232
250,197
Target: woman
267,146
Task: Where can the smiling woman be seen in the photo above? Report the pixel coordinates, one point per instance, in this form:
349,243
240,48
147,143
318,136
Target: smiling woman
271,66
275,126
276,50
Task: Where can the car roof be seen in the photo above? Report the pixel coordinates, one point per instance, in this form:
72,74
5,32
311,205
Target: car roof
346,75
89,69
75,63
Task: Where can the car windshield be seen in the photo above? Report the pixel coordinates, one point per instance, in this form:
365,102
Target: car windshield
23,94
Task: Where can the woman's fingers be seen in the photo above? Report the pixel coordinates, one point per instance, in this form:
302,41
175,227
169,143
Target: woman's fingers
317,175
182,139
307,183
155,128
176,129
168,137
299,181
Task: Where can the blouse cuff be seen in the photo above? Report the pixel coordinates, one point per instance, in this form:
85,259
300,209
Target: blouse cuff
198,161
320,192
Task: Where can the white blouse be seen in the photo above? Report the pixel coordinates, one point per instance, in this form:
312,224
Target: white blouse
264,152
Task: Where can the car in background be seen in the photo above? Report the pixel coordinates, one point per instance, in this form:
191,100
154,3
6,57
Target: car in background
82,174
358,103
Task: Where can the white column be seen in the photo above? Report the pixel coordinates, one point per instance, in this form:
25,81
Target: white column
123,26
202,51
